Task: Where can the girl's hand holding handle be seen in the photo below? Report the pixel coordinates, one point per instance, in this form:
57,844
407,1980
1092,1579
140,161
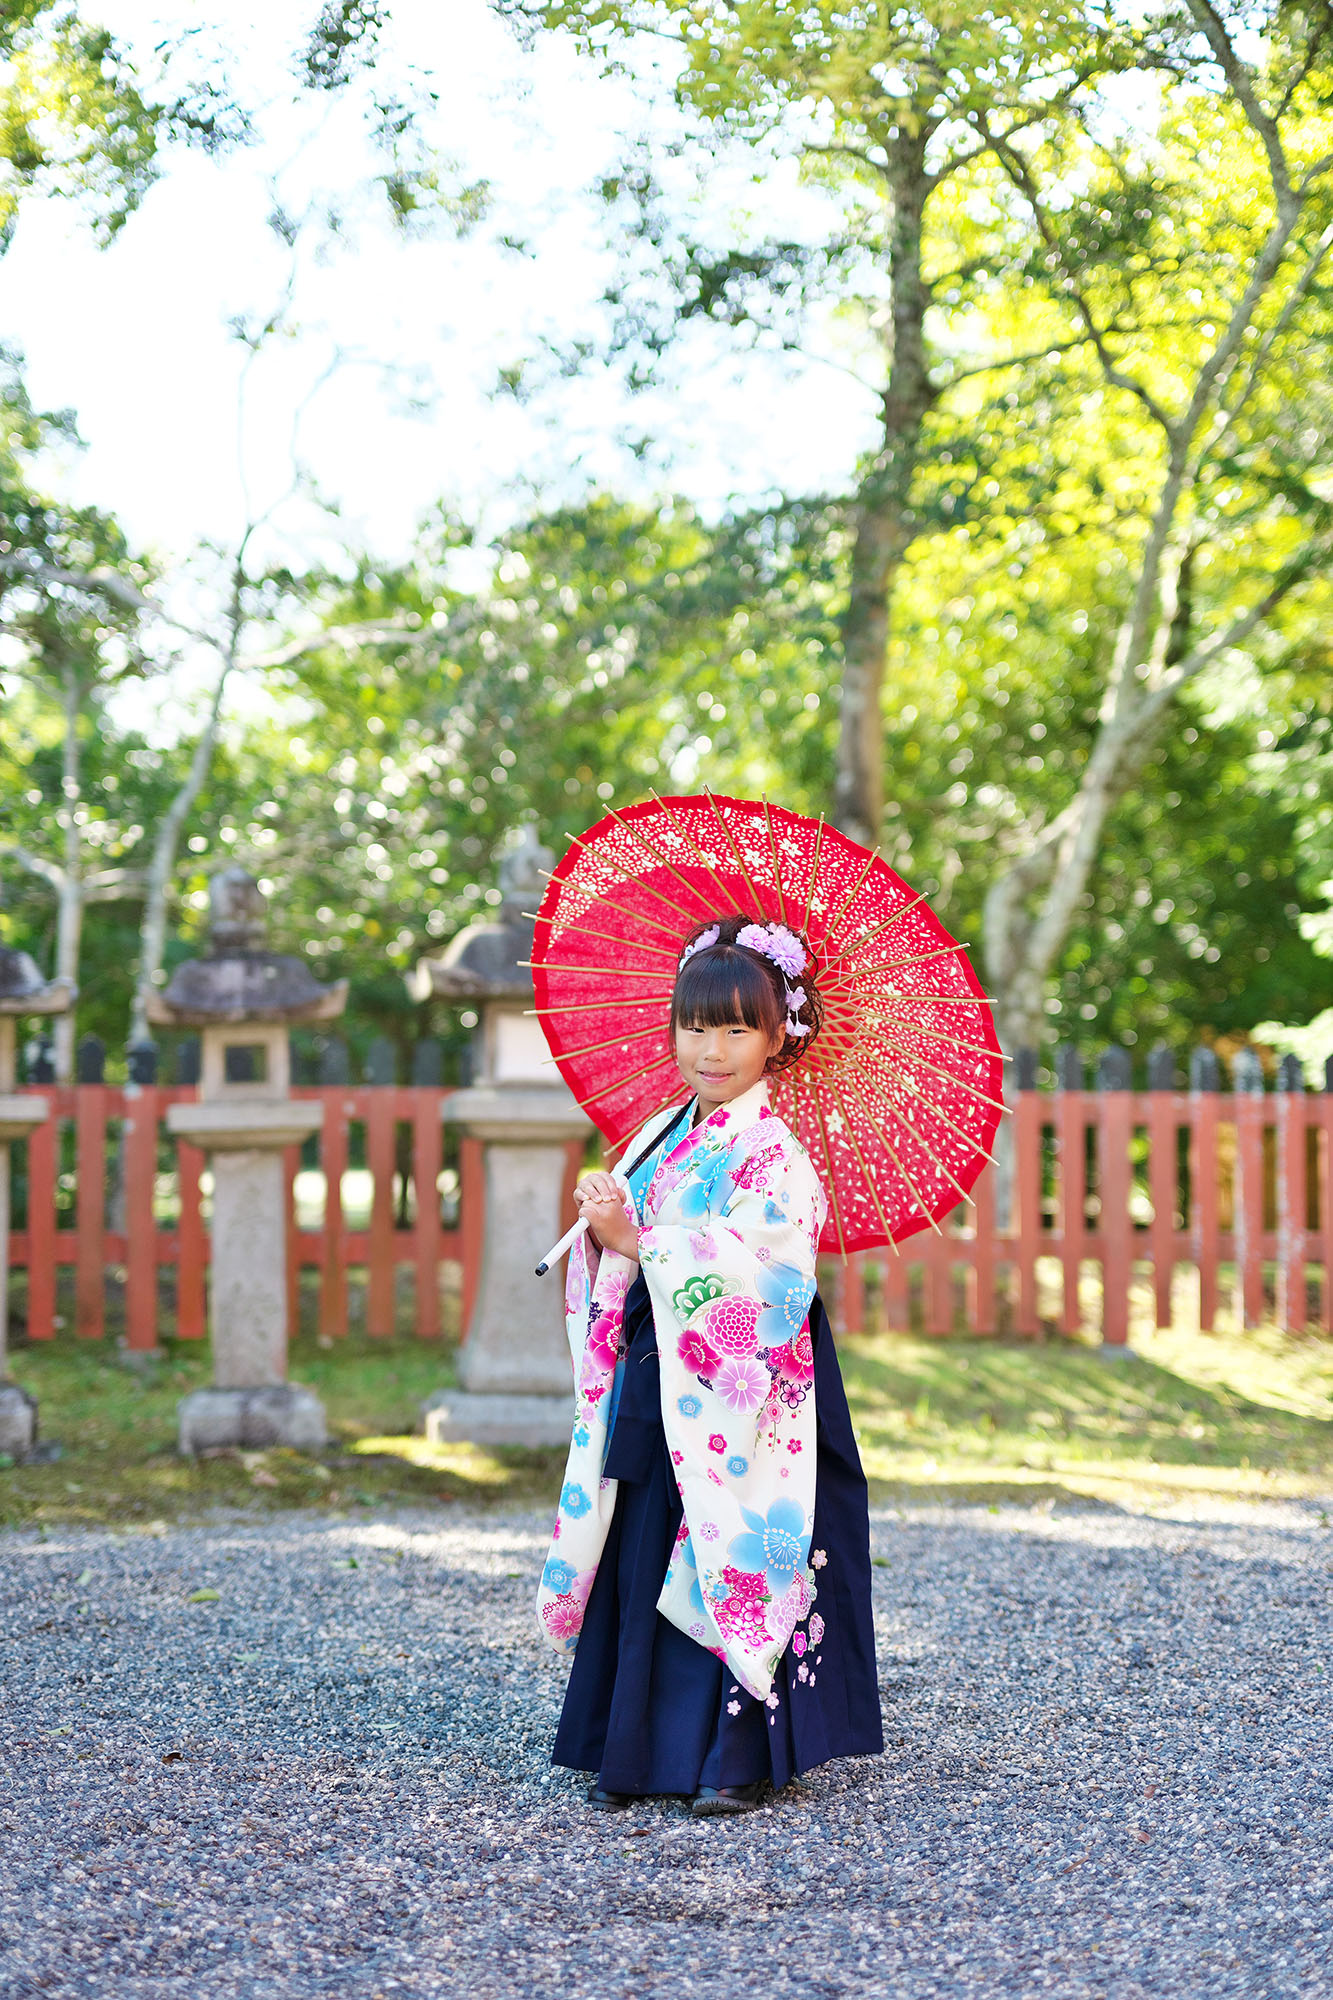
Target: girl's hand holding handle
601,1202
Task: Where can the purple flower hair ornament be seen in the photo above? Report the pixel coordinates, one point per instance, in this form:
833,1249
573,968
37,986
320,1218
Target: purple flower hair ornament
775,941
702,943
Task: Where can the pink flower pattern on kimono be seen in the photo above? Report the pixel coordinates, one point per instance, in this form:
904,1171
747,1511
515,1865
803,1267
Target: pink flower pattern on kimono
564,1617
753,1172
741,1384
697,1355
603,1344
730,1325
795,1361
741,1609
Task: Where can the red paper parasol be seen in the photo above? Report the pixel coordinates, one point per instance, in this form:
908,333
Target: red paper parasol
897,1100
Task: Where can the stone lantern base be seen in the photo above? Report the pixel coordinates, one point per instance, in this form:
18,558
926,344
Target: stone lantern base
251,1419
455,1417
18,1421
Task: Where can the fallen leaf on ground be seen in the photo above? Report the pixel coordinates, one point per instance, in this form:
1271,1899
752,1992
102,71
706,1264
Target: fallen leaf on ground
203,1597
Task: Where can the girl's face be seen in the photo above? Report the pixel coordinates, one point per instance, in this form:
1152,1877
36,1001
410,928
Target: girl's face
719,1064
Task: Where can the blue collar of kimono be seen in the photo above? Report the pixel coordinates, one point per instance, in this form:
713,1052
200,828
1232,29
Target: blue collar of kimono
713,1136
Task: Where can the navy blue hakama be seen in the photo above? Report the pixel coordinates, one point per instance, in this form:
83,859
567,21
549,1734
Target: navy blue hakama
649,1709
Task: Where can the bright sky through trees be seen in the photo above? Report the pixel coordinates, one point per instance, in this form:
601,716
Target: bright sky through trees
135,337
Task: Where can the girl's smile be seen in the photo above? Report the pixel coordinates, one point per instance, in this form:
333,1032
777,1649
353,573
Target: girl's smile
722,1063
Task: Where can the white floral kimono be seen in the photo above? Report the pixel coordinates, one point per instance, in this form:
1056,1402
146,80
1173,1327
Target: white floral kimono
729,1221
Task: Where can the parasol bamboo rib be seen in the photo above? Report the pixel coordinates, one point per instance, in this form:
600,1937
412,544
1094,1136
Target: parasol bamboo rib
599,1006
684,833
620,1082
934,1035
640,881
961,1082
621,1150
777,866
896,964
935,1112
938,1000
831,927
861,1163
916,1192
863,944
814,870
660,858
616,1041
740,862
607,937
639,916
616,971
828,1163
926,1147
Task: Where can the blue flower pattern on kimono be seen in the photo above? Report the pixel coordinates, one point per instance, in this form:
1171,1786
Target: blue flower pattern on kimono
695,1199
574,1501
786,1293
689,1406
559,1576
777,1543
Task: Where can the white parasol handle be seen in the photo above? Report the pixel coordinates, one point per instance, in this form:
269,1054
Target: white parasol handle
557,1250
570,1237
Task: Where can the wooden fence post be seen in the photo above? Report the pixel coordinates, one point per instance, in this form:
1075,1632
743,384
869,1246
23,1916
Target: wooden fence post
1247,1084
1162,1174
90,1190
1324,1247
142,1111
1205,1077
1292,1314
1114,1186
1027,1188
1071,1156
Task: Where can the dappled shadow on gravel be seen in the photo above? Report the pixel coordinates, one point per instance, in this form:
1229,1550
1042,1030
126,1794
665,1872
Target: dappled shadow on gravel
1108,1773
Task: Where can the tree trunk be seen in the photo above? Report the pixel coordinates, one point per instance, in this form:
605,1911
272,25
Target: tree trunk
882,515
69,904
153,929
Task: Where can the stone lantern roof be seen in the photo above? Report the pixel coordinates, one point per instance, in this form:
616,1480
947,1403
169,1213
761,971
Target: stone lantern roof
24,991
485,960
240,980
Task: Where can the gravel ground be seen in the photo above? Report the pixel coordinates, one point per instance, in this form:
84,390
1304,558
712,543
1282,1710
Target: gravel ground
1110,1740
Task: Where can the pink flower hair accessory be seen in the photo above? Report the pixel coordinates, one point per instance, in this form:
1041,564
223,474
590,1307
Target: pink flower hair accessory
703,942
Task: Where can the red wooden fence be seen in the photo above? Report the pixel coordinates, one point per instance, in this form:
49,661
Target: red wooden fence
1133,1184
88,1112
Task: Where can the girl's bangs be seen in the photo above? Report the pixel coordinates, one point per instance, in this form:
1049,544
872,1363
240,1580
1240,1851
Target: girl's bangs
715,991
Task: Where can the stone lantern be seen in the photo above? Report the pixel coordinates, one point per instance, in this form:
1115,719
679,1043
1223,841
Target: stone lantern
514,1366
244,1000
22,991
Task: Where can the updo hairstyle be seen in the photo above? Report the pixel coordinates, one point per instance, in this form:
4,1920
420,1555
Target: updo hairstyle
726,982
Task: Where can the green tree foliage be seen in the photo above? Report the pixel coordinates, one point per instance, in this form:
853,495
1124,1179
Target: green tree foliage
602,651
77,121
1098,345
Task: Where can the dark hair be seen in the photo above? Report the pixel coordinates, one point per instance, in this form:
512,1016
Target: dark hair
727,982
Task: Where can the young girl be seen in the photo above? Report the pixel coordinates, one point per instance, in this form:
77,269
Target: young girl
710,1560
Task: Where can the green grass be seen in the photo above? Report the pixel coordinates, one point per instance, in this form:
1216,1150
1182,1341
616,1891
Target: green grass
1231,1414
116,1425
1227,1413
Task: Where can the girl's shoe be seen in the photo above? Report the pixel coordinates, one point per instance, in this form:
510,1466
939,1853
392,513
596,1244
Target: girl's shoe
601,1801
717,1801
